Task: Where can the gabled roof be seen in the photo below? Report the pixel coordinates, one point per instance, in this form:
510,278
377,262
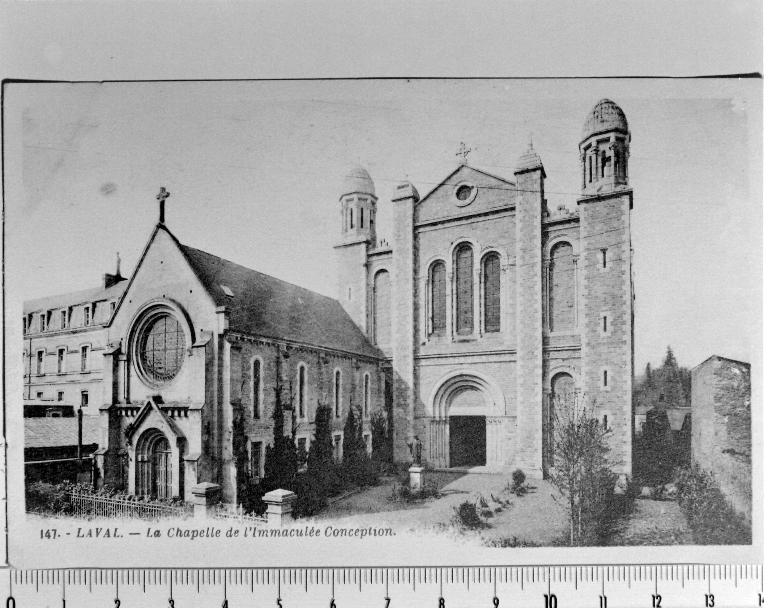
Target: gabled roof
263,305
59,432
467,169
73,298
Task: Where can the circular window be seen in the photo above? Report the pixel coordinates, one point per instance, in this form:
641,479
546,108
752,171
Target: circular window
465,194
160,348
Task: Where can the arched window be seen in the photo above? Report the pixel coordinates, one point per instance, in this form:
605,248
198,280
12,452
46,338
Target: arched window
562,288
256,387
366,395
382,298
464,291
301,391
437,298
337,393
492,293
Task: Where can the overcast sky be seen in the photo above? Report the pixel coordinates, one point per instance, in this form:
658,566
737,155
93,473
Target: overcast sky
254,169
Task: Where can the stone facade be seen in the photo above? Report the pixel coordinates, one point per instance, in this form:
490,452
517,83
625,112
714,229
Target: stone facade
561,282
721,431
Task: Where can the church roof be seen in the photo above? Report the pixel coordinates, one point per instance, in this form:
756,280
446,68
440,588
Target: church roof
263,305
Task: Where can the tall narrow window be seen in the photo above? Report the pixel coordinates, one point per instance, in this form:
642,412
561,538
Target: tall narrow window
382,297
87,315
337,393
437,298
604,258
24,324
84,399
42,322
40,363
255,459
256,388
351,218
60,361
464,291
366,394
360,223
83,358
562,288
492,293
60,396
63,315
301,388
605,377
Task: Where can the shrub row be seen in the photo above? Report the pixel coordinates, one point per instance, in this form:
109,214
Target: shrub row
711,518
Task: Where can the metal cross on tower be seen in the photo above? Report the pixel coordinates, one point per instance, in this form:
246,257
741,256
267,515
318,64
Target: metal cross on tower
161,196
463,152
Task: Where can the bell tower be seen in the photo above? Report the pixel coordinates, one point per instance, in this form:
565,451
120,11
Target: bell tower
605,275
357,208
604,149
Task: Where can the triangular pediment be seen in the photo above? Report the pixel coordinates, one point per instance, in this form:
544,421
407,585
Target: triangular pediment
466,191
151,416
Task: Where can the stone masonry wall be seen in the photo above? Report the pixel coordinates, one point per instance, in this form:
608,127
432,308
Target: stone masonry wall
607,355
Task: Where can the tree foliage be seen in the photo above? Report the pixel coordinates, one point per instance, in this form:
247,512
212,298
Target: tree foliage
581,466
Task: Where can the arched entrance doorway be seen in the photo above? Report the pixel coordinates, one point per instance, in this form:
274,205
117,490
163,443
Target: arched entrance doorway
466,428
154,470
467,425
561,399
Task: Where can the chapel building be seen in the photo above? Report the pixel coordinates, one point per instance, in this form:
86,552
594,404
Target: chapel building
485,313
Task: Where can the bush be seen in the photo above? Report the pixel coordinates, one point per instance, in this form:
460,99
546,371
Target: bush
711,518
518,478
404,493
466,516
49,499
310,496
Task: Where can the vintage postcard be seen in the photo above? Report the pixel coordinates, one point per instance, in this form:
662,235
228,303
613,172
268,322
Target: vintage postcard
328,322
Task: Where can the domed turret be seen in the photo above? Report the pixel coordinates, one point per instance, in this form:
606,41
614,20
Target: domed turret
357,181
604,149
358,206
605,116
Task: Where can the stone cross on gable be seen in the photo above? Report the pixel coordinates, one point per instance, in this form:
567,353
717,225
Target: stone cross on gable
161,196
463,152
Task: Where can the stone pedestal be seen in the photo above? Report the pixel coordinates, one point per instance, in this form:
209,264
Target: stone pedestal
205,496
417,476
279,507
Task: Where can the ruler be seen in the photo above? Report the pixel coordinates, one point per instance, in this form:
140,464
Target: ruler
593,586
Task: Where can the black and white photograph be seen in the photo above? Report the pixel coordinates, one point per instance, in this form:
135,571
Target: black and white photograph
478,314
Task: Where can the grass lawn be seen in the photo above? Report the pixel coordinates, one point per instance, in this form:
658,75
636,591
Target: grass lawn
538,517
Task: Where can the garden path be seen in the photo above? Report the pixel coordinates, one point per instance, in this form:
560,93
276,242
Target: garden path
654,522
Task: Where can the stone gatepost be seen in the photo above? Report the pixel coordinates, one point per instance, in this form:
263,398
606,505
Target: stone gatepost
205,496
416,474
279,507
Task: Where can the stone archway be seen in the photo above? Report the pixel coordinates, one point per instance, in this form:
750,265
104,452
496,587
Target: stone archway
465,428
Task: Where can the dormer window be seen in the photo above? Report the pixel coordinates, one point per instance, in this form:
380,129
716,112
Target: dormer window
42,322
63,317
86,315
